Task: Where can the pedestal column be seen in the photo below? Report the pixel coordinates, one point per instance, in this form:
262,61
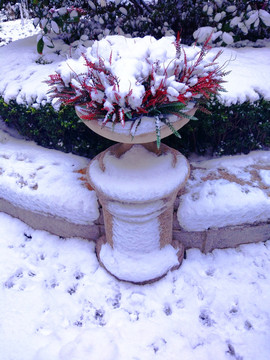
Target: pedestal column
137,186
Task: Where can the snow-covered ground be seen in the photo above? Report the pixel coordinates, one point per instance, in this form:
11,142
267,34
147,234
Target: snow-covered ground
15,30
57,302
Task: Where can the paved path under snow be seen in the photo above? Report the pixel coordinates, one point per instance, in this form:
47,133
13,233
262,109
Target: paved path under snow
57,303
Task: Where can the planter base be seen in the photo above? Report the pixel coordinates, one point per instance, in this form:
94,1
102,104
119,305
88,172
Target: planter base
149,267
137,186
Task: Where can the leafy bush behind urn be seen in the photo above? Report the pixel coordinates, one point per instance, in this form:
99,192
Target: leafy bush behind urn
229,20
228,130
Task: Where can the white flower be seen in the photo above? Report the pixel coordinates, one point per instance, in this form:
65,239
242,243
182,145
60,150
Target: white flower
265,17
253,16
235,21
171,91
227,38
73,13
55,27
231,8
217,17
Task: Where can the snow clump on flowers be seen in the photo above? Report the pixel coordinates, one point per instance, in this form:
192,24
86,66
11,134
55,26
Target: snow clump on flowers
121,78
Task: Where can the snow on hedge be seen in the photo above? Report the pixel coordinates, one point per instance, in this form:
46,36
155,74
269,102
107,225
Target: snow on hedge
22,77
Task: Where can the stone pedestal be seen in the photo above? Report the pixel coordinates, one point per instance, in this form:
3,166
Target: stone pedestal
137,186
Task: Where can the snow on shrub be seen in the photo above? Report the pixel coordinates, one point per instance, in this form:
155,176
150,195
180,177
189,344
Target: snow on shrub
75,21
57,21
230,20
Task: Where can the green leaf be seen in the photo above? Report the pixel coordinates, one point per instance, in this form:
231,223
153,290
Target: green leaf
173,130
157,123
178,105
136,123
59,22
128,115
171,108
185,115
153,112
75,19
40,46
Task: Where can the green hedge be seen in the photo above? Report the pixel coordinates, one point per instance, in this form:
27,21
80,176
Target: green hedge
228,130
54,130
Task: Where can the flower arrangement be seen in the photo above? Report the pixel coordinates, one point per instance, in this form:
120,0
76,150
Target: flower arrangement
121,79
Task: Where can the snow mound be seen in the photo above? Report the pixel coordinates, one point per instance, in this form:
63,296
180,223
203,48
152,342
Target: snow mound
22,77
45,181
246,80
152,176
232,190
139,267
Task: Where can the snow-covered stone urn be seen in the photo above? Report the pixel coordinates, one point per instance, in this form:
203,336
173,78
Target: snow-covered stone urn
136,91
137,184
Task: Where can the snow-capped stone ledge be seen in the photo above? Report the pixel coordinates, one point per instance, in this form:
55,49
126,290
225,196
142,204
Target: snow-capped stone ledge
45,182
228,191
226,201
51,223
224,237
